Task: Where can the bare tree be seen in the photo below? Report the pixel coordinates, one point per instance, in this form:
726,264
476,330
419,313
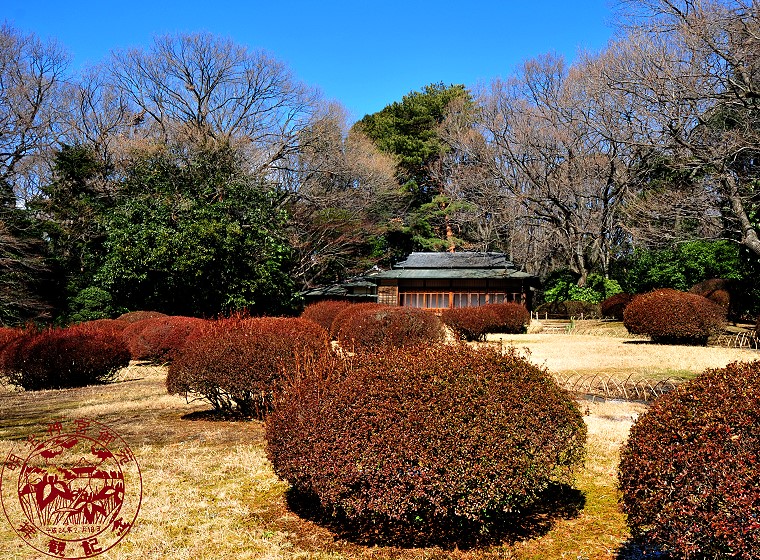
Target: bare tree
202,88
340,189
551,152
691,68
32,73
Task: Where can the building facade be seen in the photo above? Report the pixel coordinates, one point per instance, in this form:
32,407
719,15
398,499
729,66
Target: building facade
438,281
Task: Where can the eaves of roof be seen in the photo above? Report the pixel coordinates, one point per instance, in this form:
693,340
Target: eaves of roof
453,274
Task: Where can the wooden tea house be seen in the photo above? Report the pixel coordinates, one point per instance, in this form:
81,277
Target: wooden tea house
438,281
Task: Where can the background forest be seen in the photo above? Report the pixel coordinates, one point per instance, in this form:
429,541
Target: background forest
198,176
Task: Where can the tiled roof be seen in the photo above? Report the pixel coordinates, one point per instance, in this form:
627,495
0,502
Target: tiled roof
456,260
468,265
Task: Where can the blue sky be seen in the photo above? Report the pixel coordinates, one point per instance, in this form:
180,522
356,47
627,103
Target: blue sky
363,54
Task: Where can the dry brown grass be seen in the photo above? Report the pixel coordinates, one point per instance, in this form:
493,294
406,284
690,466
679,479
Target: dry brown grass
209,491
590,354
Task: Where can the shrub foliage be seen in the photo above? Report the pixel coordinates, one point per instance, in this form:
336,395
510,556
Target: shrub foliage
235,364
323,312
58,358
673,317
614,306
689,472
135,316
373,328
419,443
158,339
473,323
344,317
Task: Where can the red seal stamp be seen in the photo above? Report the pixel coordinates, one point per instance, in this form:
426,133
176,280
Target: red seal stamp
72,491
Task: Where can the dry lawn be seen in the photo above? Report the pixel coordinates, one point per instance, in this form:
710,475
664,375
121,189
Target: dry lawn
209,491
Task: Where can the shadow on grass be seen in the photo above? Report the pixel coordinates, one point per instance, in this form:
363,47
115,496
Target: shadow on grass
559,501
634,549
213,415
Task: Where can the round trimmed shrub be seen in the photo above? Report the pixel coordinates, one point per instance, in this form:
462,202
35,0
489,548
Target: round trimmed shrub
58,358
323,312
372,328
235,364
717,290
470,323
614,306
135,316
673,317
689,472
473,323
158,339
344,316
418,444
511,318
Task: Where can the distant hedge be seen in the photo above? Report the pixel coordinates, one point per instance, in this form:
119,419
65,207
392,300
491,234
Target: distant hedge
59,358
375,327
159,339
428,443
473,323
614,306
323,312
673,317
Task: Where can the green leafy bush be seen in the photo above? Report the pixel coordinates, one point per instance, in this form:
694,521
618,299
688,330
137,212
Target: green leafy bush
473,323
235,364
689,472
683,266
673,317
415,444
158,339
372,328
90,304
58,358
613,307
564,288
323,312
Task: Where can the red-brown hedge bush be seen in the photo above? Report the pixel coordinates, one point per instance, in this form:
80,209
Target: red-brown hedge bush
158,339
470,323
235,364
373,328
717,290
345,316
135,316
473,323
673,317
7,335
420,443
323,313
614,306
59,358
689,472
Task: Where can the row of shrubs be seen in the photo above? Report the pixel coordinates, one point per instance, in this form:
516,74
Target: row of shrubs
90,352
372,325
414,443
